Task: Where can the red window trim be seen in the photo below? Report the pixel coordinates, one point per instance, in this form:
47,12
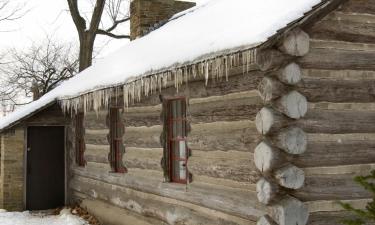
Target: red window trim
115,139
171,140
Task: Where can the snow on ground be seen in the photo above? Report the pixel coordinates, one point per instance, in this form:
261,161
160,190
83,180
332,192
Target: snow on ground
25,218
214,26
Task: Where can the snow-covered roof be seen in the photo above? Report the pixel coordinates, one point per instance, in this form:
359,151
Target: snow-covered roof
217,26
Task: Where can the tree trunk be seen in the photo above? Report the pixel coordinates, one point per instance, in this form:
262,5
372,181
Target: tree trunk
86,50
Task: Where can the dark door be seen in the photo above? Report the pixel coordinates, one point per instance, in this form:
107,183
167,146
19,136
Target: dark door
45,180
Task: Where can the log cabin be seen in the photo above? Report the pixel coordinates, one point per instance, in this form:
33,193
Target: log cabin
231,112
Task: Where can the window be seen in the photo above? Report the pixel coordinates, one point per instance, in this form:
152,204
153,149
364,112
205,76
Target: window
176,152
80,139
116,132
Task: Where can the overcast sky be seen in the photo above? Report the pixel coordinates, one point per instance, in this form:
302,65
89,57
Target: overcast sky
50,17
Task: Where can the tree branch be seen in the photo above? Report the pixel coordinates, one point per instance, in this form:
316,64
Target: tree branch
103,32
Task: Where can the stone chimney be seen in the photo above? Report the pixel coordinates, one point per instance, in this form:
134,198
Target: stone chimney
146,15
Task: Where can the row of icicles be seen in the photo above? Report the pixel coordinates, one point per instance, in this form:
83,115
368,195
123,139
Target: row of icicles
146,85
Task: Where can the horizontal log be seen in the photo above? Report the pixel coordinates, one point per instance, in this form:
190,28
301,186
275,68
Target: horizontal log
333,206
270,59
358,169
107,213
337,121
232,165
331,187
317,89
230,107
270,89
243,203
222,135
148,204
337,149
338,59
322,75
351,27
329,218
358,6
295,43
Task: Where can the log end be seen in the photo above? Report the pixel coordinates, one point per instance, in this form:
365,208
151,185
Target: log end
290,211
266,191
291,74
264,120
290,176
266,158
296,43
293,105
292,140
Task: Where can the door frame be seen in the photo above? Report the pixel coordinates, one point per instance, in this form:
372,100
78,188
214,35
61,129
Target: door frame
25,163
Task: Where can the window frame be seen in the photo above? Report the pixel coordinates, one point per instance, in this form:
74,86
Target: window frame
115,139
171,140
80,145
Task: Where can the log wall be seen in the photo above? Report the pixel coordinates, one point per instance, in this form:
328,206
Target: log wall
336,123
339,83
222,139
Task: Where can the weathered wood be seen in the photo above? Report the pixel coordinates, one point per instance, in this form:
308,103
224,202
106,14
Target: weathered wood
221,135
317,90
292,140
290,176
338,59
330,187
290,211
295,43
49,116
358,6
337,121
337,149
270,59
231,165
267,191
243,203
267,158
270,88
291,74
268,121
351,27
293,105
148,204
266,220
332,206
329,218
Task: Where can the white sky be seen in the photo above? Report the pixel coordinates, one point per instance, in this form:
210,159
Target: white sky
52,18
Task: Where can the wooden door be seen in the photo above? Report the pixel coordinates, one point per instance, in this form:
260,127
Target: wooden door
45,176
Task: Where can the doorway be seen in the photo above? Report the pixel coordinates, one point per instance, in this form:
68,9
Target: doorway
45,171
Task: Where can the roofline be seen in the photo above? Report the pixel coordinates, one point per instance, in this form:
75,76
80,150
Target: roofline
319,11
15,123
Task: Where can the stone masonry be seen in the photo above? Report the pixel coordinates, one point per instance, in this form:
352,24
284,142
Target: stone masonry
12,169
148,14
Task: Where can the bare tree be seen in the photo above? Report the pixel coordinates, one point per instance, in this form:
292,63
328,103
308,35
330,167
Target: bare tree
39,69
10,11
88,28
